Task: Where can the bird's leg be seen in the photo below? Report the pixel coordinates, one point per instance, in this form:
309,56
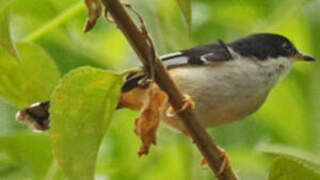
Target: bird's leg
203,161
185,132
187,103
225,160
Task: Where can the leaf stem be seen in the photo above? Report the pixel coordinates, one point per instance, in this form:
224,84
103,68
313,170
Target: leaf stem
129,71
57,21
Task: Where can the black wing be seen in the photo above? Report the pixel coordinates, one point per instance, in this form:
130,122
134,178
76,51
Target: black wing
198,55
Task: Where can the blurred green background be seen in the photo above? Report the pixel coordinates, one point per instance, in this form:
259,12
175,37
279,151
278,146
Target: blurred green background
289,121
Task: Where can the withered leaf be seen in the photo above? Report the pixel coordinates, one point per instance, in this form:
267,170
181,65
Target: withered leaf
94,7
147,123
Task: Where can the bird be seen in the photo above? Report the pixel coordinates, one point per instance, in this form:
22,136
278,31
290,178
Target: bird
226,81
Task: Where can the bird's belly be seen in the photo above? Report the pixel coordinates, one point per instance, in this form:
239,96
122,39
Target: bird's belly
221,96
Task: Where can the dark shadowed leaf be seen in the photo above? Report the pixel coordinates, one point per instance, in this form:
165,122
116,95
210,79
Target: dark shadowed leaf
30,80
185,6
81,108
290,169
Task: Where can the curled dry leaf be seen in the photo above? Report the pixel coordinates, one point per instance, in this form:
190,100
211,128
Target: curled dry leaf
151,101
94,7
147,123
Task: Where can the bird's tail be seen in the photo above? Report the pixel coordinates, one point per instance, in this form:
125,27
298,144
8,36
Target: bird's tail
37,115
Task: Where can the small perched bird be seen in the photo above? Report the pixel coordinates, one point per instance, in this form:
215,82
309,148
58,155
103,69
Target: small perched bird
226,81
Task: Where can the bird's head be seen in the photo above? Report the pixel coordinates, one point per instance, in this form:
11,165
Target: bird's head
266,46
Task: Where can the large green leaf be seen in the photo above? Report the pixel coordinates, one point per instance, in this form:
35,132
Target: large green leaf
185,6
290,169
29,156
5,30
81,108
30,80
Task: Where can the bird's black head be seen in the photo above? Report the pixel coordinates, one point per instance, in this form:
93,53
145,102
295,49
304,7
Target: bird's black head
266,45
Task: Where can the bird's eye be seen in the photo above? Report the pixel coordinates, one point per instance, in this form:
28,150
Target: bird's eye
287,47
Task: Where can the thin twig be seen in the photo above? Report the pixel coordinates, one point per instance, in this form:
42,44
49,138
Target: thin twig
141,45
55,22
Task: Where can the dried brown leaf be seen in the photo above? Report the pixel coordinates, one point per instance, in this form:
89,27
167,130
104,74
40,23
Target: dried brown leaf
94,7
148,121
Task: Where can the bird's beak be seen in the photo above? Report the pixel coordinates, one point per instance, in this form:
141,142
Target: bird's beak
303,57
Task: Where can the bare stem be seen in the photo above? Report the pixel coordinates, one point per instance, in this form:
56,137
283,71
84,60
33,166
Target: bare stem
140,43
55,22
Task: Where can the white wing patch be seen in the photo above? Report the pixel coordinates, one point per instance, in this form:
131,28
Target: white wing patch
166,56
205,56
182,60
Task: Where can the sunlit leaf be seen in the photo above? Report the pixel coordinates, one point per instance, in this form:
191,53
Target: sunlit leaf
81,108
30,80
185,6
5,32
29,154
290,169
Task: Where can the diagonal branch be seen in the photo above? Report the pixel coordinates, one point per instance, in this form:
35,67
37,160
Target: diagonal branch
144,49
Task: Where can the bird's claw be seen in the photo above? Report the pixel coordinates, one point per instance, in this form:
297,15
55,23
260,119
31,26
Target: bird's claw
187,103
225,160
203,161
185,132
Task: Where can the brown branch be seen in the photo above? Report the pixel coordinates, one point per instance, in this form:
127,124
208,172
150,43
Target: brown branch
141,45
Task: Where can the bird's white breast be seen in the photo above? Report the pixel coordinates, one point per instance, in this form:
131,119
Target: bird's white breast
228,91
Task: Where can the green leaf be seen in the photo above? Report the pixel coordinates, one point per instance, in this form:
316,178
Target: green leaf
289,152
29,155
185,6
5,4
81,109
290,169
30,80
5,31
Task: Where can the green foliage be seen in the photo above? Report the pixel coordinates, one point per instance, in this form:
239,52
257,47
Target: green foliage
289,152
81,108
5,34
185,6
291,163
27,155
29,80
289,169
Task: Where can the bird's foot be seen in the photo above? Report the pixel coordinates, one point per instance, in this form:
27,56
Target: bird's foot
225,160
203,161
185,132
187,103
